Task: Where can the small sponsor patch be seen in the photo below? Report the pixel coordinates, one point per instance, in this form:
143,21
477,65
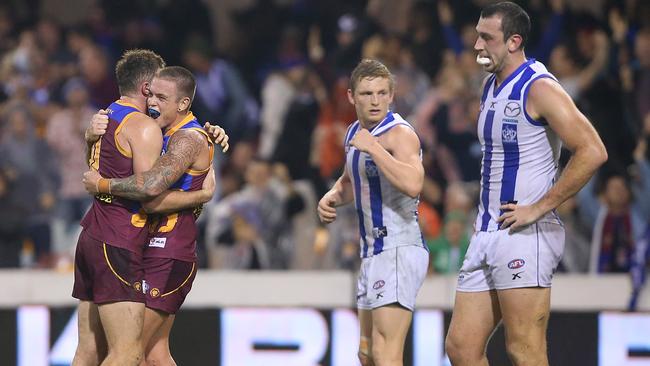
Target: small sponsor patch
379,284
516,263
379,232
157,242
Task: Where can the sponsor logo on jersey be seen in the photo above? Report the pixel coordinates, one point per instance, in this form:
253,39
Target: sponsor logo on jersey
512,109
516,263
157,242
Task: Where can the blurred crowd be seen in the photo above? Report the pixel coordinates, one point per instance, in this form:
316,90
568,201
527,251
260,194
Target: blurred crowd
274,74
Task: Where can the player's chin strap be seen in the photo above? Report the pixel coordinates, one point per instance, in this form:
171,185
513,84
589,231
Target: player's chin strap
364,347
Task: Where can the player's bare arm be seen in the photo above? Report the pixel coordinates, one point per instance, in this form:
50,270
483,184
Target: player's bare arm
97,128
184,149
547,100
144,138
397,155
173,201
340,194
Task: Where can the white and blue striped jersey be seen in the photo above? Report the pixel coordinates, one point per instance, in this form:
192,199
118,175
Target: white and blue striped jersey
520,154
388,218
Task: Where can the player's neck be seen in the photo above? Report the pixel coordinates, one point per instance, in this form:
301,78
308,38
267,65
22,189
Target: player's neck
140,103
370,125
179,119
516,60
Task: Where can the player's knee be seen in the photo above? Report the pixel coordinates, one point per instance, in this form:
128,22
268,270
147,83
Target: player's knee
453,347
385,354
460,352
130,353
365,359
94,352
365,351
155,361
158,359
525,351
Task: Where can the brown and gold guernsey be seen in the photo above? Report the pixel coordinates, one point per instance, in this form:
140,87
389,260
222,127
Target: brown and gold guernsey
113,220
174,235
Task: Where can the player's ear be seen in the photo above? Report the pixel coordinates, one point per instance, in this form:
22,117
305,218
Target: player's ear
514,42
145,89
184,104
350,96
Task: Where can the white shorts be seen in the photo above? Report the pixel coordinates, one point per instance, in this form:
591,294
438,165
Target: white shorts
392,276
497,260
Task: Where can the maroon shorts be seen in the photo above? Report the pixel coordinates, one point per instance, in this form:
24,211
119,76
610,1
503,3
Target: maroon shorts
167,282
104,273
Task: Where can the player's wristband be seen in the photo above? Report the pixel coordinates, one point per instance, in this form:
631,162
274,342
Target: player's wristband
104,185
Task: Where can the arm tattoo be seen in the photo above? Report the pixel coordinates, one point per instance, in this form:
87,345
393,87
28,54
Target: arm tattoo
183,149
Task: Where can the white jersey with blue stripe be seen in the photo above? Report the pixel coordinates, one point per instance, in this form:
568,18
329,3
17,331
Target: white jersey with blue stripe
388,218
520,154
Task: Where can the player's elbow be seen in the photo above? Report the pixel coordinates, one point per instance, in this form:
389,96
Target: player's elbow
149,207
151,192
599,154
413,190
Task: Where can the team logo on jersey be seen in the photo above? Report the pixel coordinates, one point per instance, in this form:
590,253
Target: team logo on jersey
509,133
516,263
154,292
371,169
379,284
512,109
137,286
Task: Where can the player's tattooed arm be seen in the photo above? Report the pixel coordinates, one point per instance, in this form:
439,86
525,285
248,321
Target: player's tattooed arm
183,148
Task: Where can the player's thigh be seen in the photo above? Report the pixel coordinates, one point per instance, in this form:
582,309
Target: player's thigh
525,313
154,322
474,318
122,322
158,344
526,258
390,324
91,333
365,328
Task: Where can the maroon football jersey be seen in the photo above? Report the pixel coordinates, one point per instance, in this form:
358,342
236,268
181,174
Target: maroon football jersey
174,235
117,221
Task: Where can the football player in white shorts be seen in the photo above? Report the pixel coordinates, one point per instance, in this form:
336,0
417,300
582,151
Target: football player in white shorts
383,176
525,116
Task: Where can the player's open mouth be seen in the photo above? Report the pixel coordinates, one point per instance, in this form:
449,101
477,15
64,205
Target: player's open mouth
482,60
153,113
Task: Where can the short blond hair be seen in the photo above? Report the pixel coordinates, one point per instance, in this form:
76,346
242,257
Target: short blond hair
368,68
